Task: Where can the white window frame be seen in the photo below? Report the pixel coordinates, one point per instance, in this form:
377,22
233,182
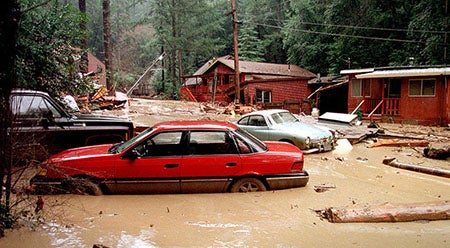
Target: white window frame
422,93
357,88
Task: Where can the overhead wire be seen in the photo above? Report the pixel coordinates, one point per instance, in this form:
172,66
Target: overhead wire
374,28
349,35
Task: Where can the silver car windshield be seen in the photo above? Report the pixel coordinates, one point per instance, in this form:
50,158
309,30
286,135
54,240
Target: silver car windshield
283,117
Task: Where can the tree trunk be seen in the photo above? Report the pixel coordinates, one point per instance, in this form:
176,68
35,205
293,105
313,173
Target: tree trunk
388,213
107,45
173,53
180,73
9,27
417,168
83,26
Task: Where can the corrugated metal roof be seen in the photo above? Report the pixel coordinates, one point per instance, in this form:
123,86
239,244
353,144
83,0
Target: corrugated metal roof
357,71
413,72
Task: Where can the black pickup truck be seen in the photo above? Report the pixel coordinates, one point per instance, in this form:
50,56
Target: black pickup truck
40,121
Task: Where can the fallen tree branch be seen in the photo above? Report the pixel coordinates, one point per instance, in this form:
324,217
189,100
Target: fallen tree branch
388,213
324,187
418,168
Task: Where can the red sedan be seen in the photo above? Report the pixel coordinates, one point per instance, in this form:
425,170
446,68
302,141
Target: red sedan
177,157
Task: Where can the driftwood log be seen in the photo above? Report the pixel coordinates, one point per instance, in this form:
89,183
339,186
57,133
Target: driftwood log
388,213
418,168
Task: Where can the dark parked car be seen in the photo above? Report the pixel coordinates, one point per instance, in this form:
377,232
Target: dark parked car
177,157
40,121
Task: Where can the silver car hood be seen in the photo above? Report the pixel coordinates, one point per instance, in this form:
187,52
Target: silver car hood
305,129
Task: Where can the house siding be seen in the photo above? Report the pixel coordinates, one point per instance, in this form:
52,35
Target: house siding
447,101
282,91
424,110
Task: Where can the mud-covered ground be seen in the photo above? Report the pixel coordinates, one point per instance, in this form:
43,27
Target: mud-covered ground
284,218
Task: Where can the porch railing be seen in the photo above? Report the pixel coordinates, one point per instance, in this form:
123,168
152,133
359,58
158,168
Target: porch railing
391,106
376,109
375,106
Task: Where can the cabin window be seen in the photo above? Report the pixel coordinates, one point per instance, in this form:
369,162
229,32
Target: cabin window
357,87
228,79
263,96
422,87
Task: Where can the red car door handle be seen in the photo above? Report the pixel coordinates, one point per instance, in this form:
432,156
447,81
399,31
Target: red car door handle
231,164
170,165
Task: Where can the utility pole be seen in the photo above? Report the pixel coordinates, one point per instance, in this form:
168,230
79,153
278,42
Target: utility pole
236,60
446,33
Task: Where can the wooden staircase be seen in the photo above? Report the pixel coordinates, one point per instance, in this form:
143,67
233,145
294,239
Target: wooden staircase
186,94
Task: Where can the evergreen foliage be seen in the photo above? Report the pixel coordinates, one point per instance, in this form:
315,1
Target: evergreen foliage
48,35
324,36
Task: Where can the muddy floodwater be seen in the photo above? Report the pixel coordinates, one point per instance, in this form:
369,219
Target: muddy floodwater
284,218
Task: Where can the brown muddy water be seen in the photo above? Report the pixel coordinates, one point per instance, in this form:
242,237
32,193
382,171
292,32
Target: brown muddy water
282,218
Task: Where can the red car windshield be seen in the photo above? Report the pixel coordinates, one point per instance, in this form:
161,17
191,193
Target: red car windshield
122,146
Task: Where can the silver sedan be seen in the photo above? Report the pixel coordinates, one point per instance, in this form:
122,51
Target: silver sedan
282,125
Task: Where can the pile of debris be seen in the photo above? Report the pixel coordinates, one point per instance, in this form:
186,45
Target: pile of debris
101,99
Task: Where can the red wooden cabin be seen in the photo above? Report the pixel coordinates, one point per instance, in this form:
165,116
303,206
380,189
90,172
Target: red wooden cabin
265,83
414,95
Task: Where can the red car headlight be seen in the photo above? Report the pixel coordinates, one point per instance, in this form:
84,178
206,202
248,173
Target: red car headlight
42,172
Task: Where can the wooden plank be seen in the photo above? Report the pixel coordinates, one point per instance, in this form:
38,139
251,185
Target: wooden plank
338,117
397,142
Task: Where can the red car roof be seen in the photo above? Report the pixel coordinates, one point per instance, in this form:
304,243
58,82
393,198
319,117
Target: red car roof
196,124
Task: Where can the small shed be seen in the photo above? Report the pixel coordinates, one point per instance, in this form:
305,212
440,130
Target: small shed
413,95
